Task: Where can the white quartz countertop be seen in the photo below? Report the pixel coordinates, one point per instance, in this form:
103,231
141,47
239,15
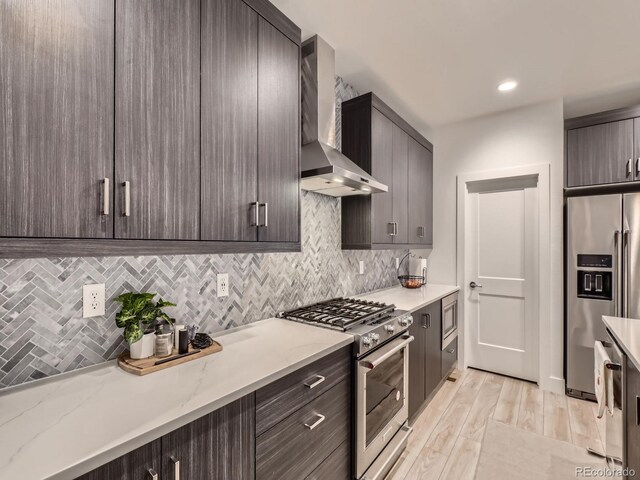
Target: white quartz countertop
411,299
70,424
626,332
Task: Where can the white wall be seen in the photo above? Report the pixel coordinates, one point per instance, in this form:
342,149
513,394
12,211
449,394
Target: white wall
525,136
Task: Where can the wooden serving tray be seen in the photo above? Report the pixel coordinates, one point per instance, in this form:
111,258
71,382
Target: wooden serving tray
144,366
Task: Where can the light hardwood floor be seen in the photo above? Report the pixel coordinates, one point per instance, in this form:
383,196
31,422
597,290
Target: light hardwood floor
448,435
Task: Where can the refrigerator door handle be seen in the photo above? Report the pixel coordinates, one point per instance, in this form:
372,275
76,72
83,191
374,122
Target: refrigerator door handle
618,289
625,254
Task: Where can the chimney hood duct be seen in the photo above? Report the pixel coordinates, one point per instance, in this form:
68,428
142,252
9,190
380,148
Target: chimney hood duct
324,168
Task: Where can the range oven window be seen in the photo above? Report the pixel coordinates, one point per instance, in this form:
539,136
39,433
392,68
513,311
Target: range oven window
384,394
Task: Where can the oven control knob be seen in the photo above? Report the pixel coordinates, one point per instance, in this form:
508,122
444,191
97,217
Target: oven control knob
366,341
375,337
403,321
389,328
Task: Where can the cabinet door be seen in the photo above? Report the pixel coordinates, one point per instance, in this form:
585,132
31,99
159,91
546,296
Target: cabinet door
56,117
229,120
420,191
599,154
382,170
417,362
218,446
136,465
158,118
433,347
278,135
400,184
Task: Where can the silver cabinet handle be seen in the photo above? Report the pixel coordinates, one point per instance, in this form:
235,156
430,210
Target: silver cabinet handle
427,320
176,467
316,423
266,215
319,380
127,199
475,285
629,167
421,231
256,214
637,166
393,229
450,350
153,474
105,196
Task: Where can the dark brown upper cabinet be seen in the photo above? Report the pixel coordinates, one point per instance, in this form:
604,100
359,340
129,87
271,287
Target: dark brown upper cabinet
420,194
229,181
602,150
600,154
56,118
386,146
278,136
157,119
146,127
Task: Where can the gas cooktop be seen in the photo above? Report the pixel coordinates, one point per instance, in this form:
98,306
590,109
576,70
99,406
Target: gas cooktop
341,313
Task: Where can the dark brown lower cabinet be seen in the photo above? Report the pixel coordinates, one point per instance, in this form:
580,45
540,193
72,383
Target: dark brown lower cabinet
336,467
218,446
295,447
140,464
312,440
425,356
632,416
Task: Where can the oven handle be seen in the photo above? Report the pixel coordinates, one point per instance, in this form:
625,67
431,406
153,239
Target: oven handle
371,364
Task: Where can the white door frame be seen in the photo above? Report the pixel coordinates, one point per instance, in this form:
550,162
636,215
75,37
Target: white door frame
541,171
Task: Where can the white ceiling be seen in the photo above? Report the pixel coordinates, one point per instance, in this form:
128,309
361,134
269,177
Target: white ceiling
439,61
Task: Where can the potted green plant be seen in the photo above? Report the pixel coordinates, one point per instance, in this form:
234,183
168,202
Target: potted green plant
137,316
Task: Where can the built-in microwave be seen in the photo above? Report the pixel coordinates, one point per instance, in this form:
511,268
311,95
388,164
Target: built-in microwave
449,319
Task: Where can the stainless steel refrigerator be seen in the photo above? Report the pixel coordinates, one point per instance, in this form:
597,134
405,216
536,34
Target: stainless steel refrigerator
603,276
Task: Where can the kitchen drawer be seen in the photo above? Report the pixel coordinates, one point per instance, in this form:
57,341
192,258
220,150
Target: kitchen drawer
292,450
449,357
336,467
278,400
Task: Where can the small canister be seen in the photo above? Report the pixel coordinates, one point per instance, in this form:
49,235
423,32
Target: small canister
176,335
164,343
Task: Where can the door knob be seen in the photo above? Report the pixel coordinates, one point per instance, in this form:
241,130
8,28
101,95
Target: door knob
475,285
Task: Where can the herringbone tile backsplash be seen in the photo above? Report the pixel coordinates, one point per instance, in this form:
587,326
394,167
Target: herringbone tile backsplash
42,331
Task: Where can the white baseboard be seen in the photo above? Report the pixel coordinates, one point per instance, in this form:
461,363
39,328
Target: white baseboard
553,384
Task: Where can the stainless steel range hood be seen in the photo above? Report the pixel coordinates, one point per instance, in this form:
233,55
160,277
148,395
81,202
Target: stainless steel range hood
324,168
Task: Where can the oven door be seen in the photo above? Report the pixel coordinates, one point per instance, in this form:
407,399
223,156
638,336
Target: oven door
449,319
381,403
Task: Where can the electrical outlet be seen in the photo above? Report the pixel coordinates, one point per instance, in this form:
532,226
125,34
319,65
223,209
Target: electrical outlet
93,300
223,285
361,267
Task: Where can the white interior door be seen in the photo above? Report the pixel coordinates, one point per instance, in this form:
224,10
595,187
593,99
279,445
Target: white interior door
502,251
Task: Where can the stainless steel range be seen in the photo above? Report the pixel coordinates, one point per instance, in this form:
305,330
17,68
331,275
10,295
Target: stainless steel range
381,355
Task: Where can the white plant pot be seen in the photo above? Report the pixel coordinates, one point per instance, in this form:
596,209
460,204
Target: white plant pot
143,348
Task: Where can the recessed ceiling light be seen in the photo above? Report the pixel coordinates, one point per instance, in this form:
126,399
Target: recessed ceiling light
507,86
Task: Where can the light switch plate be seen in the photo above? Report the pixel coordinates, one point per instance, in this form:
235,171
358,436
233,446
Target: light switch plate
93,300
223,285
361,267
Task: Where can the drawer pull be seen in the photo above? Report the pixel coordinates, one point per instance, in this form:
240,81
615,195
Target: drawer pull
319,380
153,474
316,423
450,350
